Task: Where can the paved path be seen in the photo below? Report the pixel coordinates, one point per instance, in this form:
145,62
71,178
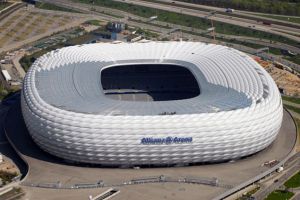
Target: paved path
18,66
45,168
296,191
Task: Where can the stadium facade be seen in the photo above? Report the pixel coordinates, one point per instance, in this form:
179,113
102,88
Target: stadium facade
154,103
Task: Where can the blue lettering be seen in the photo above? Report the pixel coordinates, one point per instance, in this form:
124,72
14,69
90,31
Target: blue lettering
167,140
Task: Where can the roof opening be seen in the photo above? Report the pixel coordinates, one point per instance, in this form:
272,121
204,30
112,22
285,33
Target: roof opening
149,82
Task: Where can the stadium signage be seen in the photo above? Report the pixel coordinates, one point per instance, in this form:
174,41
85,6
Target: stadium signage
166,140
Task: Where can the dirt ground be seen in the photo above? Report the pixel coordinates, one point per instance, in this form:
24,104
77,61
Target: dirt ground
26,24
289,82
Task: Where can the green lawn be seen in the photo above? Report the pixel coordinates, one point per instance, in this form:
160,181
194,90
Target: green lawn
249,194
279,195
283,18
294,181
291,99
294,59
274,51
292,108
93,22
48,6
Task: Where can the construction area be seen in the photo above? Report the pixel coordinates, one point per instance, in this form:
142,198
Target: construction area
287,80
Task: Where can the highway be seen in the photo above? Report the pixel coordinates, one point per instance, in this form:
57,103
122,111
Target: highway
289,32
238,13
293,166
161,27
87,8
275,29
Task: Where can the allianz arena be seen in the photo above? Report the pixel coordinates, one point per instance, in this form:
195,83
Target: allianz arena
153,103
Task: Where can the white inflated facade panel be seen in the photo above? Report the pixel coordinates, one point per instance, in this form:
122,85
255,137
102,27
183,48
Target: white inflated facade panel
238,112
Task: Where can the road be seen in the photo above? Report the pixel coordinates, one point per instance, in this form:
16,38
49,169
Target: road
154,26
86,8
18,66
275,29
292,168
238,13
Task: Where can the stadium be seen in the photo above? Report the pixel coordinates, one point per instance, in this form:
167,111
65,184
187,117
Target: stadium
150,103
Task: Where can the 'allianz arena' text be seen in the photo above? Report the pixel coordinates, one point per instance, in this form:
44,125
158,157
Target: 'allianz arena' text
154,103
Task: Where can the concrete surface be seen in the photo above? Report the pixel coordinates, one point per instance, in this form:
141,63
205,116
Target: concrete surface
45,168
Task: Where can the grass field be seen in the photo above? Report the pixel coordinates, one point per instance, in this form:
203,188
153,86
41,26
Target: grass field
291,99
283,18
294,59
279,195
274,51
294,181
93,22
48,6
292,108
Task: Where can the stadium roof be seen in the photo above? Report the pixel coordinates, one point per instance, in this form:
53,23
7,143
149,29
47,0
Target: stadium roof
70,78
